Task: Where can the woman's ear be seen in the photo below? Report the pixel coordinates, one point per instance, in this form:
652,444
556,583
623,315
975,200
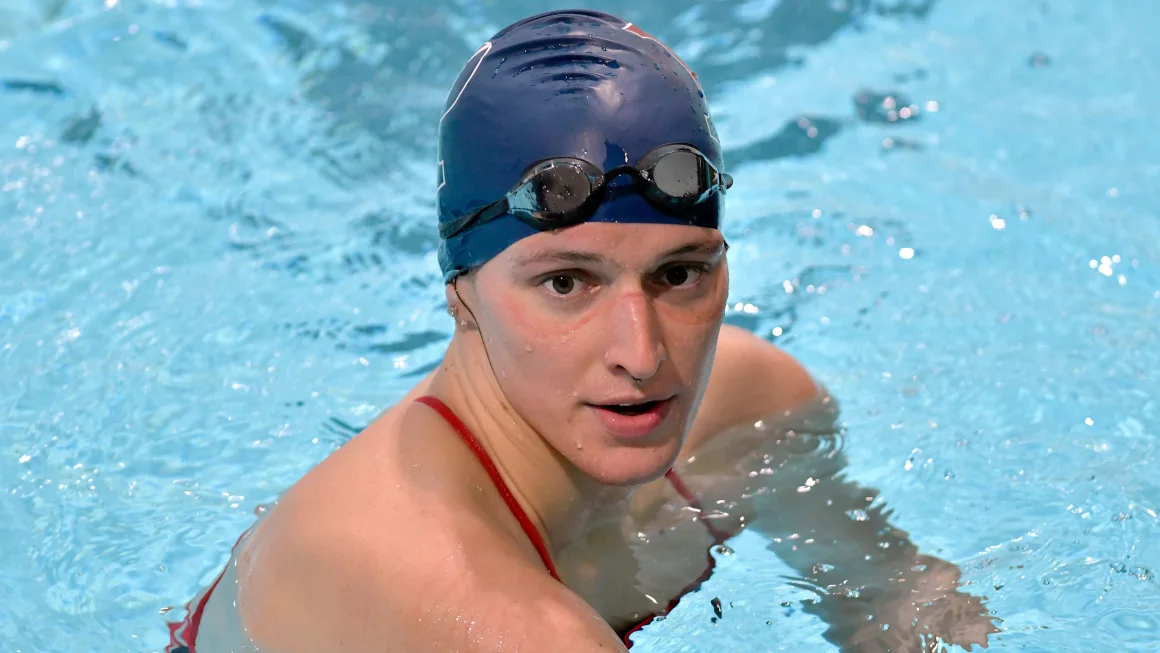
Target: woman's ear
456,308
452,300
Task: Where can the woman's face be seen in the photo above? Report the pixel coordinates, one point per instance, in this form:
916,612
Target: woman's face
602,336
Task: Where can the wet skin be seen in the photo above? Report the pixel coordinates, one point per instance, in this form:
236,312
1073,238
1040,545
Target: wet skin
588,362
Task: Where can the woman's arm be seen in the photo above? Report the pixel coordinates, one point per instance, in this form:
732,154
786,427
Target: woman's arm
750,380
768,456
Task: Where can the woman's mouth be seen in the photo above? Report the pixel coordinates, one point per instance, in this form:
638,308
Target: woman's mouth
631,409
632,420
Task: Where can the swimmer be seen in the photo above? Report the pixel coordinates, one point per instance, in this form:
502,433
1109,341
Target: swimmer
593,429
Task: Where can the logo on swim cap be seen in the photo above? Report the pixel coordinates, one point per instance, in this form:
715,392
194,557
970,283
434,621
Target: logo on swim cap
457,89
635,29
473,65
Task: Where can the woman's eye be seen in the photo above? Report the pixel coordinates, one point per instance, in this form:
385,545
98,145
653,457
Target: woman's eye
561,284
682,275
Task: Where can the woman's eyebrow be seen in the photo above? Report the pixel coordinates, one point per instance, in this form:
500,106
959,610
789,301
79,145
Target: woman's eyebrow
711,249
560,256
577,257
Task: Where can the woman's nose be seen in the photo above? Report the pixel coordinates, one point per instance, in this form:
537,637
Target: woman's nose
635,347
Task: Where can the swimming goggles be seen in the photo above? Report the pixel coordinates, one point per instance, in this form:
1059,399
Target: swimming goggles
565,191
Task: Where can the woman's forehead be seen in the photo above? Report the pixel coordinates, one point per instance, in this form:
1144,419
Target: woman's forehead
617,245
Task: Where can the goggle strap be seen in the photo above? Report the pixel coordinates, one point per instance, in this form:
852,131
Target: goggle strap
716,181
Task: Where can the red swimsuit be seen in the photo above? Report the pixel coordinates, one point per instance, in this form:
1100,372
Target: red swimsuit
182,636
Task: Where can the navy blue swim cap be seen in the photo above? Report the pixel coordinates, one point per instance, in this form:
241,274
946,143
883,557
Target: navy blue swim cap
572,83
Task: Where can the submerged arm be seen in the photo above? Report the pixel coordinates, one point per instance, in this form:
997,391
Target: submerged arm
784,478
875,589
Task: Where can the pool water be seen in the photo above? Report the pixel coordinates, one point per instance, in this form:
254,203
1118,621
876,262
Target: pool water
217,264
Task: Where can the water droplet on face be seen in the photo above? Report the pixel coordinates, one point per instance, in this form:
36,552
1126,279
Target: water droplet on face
579,444
528,348
604,48
656,65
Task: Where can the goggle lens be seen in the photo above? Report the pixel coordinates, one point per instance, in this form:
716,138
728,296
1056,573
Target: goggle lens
562,189
681,175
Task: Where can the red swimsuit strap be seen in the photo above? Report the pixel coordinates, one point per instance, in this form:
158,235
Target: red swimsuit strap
485,460
677,482
719,536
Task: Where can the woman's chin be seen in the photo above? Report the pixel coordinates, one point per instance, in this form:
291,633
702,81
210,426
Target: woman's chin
626,478
628,466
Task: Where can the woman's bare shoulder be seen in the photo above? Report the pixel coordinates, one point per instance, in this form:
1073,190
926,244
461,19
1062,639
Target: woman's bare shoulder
751,380
365,552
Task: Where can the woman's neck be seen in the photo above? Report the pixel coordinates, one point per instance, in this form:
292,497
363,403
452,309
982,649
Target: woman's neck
558,498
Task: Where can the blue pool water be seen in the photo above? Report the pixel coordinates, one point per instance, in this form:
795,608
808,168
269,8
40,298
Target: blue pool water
216,264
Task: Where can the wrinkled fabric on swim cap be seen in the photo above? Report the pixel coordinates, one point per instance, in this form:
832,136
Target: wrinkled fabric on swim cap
566,83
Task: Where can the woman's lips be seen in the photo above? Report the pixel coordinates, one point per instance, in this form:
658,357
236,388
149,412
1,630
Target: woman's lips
633,422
